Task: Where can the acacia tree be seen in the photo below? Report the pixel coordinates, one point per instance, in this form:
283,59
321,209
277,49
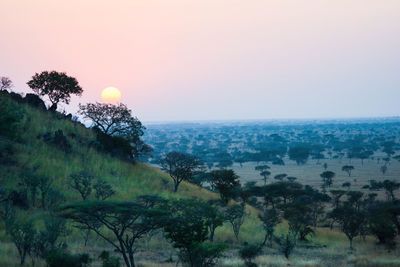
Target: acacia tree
300,154
187,227
235,215
226,182
5,83
270,218
82,182
180,166
350,220
117,121
348,169
327,178
57,86
127,221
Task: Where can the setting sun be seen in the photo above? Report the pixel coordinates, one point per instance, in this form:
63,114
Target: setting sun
111,95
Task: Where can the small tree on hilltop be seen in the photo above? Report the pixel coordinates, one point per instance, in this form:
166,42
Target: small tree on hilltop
5,83
180,166
58,86
118,122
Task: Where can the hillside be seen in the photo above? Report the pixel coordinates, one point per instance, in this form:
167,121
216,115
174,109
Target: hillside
35,148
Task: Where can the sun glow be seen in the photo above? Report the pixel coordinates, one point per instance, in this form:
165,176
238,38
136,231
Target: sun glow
111,95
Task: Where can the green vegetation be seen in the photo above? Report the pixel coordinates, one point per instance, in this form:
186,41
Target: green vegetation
60,182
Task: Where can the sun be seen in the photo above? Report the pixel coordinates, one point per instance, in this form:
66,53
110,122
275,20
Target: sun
111,95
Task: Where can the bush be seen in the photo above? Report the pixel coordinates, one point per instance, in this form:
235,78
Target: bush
11,115
109,261
383,228
34,101
62,258
203,255
248,253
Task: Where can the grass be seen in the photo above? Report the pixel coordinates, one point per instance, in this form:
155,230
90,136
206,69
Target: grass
131,180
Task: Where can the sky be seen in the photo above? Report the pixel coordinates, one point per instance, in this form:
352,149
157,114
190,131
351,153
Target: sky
177,60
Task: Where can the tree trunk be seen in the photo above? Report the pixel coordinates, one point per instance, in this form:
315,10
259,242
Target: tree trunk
176,187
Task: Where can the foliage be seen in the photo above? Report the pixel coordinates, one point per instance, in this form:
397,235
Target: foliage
11,116
117,122
128,221
22,234
82,182
300,154
103,190
187,228
226,182
56,85
270,218
235,215
287,243
62,258
109,261
249,252
181,167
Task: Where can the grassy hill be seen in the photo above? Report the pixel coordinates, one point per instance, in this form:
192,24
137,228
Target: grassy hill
31,149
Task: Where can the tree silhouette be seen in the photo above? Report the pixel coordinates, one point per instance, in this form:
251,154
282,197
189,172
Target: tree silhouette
180,166
58,86
348,169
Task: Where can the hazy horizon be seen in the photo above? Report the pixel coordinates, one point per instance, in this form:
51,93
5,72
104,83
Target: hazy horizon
214,60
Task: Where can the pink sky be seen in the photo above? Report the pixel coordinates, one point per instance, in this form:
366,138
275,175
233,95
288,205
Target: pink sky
213,59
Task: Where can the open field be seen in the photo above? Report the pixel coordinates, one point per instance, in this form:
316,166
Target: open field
310,172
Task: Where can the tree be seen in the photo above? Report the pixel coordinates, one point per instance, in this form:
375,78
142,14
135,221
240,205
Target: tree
226,182
56,85
299,216
118,122
82,182
5,83
235,215
299,154
390,187
336,195
348,169
287,243
265,174
215,218
112,119
127,221
270,218
327,178
103,190
180,167
280,177
325,165
187,227
22,234
350,220
383,169
47,240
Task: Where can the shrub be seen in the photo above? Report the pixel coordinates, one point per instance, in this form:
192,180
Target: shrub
248,253
11,115
109,261
62,258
